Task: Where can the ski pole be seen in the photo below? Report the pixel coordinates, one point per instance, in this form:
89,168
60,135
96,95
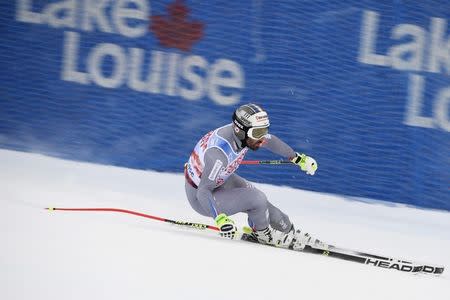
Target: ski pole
265,162
119,210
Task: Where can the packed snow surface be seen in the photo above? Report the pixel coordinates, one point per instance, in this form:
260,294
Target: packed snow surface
104,255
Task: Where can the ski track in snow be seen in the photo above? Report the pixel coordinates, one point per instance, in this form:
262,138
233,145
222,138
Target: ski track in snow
104,255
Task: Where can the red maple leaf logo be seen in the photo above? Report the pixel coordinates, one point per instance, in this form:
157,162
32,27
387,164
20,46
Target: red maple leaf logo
175,30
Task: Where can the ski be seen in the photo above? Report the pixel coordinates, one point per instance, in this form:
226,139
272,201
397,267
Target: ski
331,251
364,258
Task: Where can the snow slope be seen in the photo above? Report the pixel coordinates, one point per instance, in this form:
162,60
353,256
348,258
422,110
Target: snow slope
90,255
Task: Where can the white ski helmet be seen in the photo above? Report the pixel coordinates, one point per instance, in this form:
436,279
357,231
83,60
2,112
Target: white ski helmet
250,120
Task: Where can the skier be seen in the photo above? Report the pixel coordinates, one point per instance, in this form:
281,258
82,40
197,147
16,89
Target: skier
213,189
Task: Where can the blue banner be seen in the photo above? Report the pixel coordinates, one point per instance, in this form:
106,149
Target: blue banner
362,86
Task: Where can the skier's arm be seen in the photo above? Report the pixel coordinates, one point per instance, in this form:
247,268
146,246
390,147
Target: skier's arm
276,145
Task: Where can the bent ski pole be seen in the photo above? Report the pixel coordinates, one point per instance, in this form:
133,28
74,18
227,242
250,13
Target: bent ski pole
118,210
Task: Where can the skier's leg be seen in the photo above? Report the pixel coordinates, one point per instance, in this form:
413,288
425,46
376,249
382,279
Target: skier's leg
277,219
191,194
230,201
239,195
234,181
251,201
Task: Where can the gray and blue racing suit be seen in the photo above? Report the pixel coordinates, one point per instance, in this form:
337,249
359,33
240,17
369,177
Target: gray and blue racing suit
212,187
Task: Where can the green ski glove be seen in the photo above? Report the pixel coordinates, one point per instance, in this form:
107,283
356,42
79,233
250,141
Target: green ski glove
306,163
226,226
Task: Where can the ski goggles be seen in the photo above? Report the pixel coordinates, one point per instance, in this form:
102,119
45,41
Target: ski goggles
257,133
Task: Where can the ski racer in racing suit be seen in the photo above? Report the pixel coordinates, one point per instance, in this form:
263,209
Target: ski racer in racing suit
215,190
